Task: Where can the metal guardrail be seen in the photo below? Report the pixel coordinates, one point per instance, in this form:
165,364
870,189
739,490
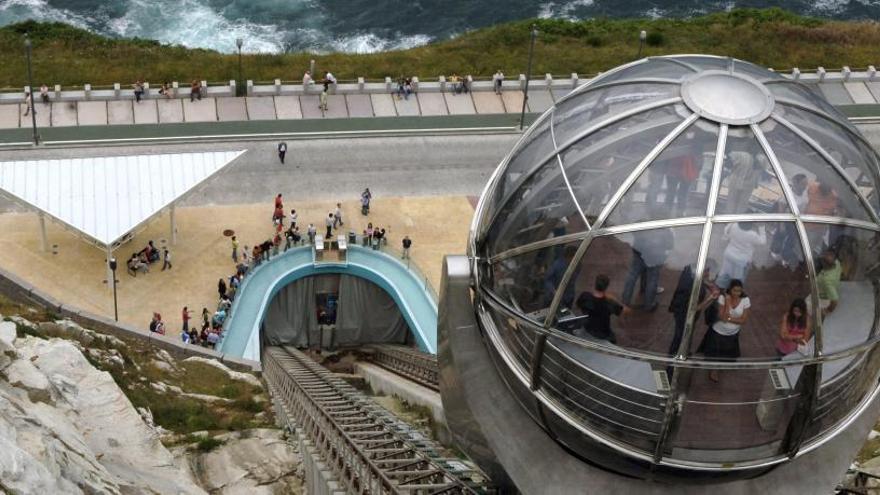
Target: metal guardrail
368,450
408,362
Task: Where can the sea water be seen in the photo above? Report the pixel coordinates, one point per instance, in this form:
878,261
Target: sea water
360,25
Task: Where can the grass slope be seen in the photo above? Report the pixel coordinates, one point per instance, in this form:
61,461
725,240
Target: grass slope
771,37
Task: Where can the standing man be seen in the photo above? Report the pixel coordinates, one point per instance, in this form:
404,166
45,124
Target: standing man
311,232
234,250
166,260
184,315
407,243
497,80
366,196
337,216
329,223
282,150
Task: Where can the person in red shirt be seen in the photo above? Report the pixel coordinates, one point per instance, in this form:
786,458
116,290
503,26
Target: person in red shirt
184,315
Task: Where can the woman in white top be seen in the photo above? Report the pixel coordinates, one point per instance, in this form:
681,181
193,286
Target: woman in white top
743,238
722,337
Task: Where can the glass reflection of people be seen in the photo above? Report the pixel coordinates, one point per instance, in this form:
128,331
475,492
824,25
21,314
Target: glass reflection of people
650,249
599,305
785,241
722,338
743,238
681,173
828,282
678,306
743,180
795,328
822,200
553,277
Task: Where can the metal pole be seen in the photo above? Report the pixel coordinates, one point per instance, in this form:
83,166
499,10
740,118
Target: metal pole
522,115
44,240
115,305
643,35
27,45
239,42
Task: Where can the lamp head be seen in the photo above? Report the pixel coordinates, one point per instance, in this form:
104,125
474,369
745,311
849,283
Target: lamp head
112,264
643,35
239,42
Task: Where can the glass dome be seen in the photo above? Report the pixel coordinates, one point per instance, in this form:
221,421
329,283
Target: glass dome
589,237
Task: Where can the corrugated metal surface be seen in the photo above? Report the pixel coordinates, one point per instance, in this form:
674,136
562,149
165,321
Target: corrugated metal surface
106,197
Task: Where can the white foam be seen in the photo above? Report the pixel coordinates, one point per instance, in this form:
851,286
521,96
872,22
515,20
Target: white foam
370,43
562,10
38,10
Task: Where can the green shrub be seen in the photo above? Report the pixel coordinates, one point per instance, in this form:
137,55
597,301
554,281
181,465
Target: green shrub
208,444
655,38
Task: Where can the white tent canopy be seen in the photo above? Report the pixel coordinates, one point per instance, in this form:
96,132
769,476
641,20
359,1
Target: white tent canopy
106,198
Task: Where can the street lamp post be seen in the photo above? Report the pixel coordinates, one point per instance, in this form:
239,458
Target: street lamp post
522,115
27,46
643,35
239,42
112,263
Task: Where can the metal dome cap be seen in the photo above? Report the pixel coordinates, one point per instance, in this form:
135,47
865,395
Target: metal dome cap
673,180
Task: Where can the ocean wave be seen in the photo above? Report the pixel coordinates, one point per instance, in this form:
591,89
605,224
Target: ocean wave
18,10
370,43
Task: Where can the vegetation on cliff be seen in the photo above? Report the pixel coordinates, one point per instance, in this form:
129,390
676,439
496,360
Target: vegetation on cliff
771,37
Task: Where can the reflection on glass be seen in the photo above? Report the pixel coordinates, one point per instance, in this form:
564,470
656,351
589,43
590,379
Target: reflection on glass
621,289
537,147
857,160
755,71
591,107
597,165
676,183
542,207
650,68
827,194
748,183
805,95
517,336
529,281
848,279
761,272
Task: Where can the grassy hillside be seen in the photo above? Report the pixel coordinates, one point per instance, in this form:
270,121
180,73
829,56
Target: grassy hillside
771,37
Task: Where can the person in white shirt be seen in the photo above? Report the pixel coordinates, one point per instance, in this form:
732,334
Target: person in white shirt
307,80
722,338
498,80
44,94
329,77
337,216
743,238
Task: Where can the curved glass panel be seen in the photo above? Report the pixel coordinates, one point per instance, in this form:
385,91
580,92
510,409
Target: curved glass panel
848,281
537,146
591,107
756,71
706,63
767,259
541,208
642,302
649,69
598,164
748,182
528,282
517,336
805,95
827,193
676,184
855,158
741,415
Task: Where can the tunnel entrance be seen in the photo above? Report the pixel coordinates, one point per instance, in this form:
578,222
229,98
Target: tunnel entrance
333,310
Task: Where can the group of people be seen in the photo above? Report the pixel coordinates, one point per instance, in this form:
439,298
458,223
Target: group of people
141,260
44,96
166,90
404,88
460,84
327,82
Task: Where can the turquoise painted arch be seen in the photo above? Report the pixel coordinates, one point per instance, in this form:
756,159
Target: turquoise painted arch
415,301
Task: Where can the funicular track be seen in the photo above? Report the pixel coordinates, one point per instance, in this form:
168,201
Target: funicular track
408,362
369,450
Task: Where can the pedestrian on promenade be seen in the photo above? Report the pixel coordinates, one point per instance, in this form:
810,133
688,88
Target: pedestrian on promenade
44,94
27,104
276,244
407,243
401,87
311,233
221,287
166,260
244,255
466,83
337,216
329,79
282,150
184,315
329,222
366,196
455,81
293,217
138,90
165,90
195,90
322,104
235,250
498,80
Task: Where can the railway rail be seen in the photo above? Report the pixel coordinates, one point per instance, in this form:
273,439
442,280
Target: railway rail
369,450
408,362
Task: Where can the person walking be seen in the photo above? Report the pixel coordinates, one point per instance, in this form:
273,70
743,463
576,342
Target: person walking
139,90
366,196
184,315
166,260
282,150
195,90
27,104
407,243
234,250
293,217
337,216
311,233
44,94
329,222
323,103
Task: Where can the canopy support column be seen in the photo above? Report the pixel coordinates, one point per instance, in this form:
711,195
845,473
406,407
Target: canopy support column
110,273
44,239
173,227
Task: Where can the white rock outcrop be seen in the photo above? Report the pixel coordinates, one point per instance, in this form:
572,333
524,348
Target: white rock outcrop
66,427
235,375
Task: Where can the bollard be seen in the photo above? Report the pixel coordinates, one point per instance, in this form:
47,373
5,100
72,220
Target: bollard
250,88
361,84
387,84
846,72
232,88
549,78
146,90
821,72
574,80
87,89
522,81
415,84
442,80
174,88
203,87
116,89
58,92
277,86
312,67
871,72
795,73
